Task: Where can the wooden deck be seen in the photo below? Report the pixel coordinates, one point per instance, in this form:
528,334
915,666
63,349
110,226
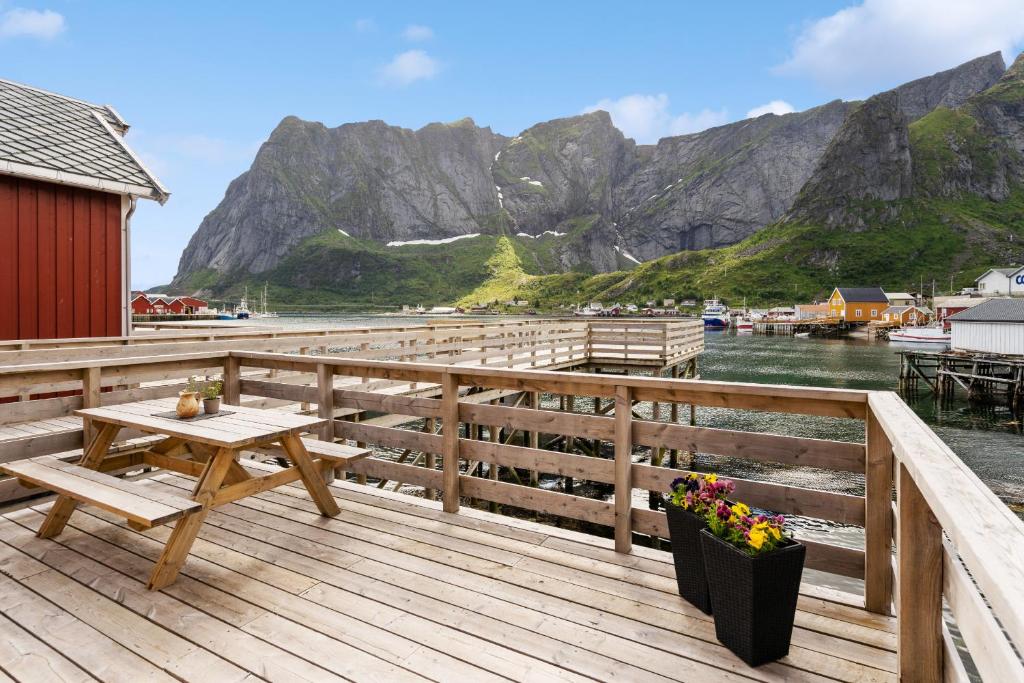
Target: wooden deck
392,589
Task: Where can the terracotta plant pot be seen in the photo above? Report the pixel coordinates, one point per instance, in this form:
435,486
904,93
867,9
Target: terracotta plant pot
211,406
188,404
684,529
754,598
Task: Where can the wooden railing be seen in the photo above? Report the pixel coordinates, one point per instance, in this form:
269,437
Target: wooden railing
956,544
642,340
477,432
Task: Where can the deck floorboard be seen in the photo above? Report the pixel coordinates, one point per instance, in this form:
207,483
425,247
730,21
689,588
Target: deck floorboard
391,589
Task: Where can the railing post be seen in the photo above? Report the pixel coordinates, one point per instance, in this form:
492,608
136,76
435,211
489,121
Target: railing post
450,441
325,399
877,518
919,646
623,470
232,368
90,399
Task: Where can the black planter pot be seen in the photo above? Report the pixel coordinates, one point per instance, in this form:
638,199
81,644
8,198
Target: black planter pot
684,532
754,598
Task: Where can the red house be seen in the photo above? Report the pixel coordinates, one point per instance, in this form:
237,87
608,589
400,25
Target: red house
68,188
141,304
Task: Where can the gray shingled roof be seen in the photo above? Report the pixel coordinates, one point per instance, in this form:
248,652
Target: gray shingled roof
993,311
863,294
59,139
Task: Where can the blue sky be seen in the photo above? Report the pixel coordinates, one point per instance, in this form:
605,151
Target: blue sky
203,84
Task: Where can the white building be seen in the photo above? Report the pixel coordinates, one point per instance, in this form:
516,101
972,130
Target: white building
901,299
1001,281
995,326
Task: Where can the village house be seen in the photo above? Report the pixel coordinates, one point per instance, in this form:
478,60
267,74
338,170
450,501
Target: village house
811,311
1001,281
70,184
901,299
946,306
857,304
995,326
158,304
907,316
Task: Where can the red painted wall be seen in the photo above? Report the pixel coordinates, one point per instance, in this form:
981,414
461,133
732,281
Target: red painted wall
60,261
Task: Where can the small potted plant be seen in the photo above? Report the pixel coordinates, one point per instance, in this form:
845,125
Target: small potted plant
689,502
211,397
188,400
754,570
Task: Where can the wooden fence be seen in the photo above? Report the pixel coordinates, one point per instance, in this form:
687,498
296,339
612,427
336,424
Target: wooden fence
956,544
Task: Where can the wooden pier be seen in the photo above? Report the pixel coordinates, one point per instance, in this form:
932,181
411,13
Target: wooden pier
820,327
432,585
984,378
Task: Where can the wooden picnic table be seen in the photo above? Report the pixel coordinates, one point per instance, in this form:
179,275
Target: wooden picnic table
207,449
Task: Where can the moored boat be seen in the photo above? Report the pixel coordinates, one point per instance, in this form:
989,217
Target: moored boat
920,335
715,314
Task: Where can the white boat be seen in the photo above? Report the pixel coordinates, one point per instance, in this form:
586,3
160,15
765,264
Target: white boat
263,312
716,314
920,335
744,325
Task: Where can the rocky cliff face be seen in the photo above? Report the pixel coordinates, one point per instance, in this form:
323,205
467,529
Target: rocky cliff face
603,202
950,88
369,180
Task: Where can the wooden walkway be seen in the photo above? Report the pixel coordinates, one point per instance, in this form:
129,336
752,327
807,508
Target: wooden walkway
392,589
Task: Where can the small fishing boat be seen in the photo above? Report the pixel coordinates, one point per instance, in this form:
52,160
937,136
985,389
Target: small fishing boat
744,325
920,335
715,314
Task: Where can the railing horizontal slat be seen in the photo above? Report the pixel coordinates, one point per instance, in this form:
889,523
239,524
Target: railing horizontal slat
790,450
792,500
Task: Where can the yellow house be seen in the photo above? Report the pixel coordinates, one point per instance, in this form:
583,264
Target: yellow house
857,304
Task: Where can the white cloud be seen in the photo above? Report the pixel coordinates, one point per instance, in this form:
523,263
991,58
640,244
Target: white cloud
779,107
646,118
416,33
879,43
30,23
365,25
408,67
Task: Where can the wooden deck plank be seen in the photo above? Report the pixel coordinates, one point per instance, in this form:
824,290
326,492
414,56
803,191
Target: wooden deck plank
101,656
303,642
27,658
389,550
663,581
388,636
163,648
395,589
464,651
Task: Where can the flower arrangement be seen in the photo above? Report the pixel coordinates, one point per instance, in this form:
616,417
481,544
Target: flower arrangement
699,493
754,534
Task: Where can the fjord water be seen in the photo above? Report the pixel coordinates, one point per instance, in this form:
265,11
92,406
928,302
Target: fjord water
986,438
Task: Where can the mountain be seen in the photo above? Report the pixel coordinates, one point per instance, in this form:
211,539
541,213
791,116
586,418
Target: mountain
329,209
893,201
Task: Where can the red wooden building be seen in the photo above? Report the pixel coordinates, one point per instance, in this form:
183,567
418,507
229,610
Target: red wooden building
68,187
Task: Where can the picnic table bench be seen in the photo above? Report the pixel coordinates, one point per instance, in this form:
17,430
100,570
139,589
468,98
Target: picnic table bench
206,448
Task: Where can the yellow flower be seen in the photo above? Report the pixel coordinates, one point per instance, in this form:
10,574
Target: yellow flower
740,510
756,538
711,478
774,531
